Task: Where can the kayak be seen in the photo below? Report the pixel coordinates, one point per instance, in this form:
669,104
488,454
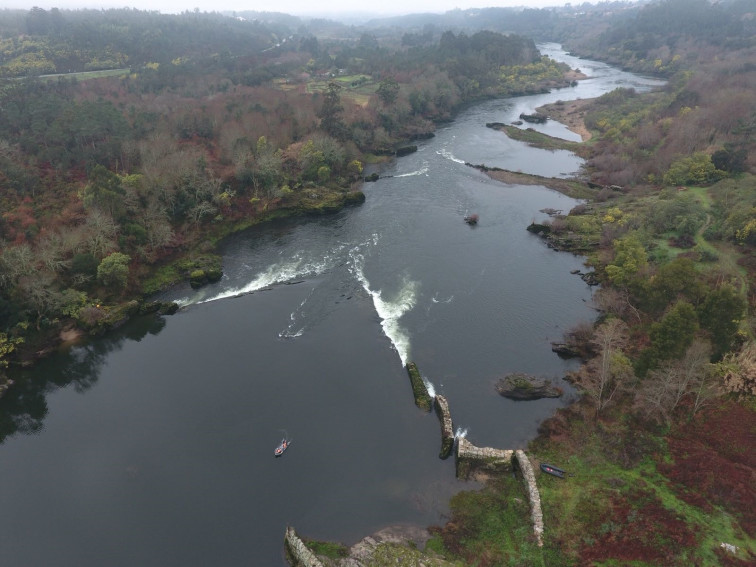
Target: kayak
550,469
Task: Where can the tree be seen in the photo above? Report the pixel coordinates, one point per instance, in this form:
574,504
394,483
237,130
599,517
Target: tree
738,371
113,271
730,159
720,314
7,346
387,91
606,374
104,191
674,333
675,280
697,169
101,232
629,258
330,112
663,389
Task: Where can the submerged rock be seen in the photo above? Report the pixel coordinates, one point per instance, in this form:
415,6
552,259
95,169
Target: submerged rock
519,386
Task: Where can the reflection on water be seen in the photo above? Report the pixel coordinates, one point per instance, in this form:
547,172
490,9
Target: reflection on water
24,407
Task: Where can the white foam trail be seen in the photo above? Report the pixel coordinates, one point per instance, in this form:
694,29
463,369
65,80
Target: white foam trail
389,310
421,171
429,386
297,267
460,433
450,156
289,332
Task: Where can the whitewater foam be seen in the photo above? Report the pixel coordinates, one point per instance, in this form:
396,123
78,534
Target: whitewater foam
296,268
391,310
450,156
430,387
422,171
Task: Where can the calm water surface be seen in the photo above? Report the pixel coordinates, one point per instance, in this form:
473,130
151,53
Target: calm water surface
154,446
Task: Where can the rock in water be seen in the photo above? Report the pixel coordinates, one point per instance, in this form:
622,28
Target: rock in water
519,386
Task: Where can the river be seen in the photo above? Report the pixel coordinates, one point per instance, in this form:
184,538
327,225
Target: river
154,446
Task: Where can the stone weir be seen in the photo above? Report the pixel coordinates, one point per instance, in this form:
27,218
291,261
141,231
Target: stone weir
297,552
447,428
533,495
423,399
472,460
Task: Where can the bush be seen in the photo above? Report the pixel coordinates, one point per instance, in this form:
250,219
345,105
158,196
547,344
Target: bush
697,169
113,271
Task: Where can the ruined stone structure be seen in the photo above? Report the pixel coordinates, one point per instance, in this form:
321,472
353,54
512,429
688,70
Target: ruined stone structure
471,461
299,555
423,399
533,495
481,460
447,428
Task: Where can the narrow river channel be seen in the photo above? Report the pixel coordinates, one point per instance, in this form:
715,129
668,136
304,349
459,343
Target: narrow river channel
154,446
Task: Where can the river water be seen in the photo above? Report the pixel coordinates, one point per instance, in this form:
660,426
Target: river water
154,446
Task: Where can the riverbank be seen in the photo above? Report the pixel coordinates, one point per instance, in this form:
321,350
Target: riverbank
196,263
571,114
571,187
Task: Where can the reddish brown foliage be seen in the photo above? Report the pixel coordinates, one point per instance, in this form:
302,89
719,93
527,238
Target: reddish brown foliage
715,461
639,528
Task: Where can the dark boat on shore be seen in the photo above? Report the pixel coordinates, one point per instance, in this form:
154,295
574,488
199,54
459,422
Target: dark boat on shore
552,470
282,446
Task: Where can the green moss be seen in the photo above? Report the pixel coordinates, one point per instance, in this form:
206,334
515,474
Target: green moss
422,398
330,549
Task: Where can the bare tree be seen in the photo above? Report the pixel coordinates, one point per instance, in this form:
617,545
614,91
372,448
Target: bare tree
51,252
16,262
608,373
101,233
666,387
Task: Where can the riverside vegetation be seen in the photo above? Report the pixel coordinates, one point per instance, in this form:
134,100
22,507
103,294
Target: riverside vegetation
137,169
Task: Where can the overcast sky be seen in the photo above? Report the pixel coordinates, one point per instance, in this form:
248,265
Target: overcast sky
297,7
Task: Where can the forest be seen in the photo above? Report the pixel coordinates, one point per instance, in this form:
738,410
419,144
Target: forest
132,142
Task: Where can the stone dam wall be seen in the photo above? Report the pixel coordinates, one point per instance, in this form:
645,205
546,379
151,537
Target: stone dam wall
447,427
297,552
533,495
470,461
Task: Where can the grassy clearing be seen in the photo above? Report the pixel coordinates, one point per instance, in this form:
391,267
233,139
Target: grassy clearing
86,75
493,527
355,88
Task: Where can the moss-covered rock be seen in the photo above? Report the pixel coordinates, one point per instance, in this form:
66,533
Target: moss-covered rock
519,386
422,397
405,150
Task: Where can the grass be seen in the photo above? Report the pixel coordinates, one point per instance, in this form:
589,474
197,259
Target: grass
86,75
538,140
328,549
493,527
607,496
359,94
